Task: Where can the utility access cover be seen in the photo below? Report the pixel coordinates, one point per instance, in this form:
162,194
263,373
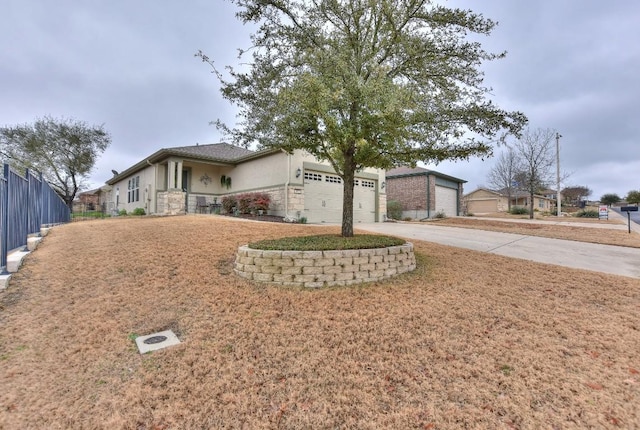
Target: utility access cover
156,341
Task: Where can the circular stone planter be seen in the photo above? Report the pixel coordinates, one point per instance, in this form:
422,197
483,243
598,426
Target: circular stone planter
314,269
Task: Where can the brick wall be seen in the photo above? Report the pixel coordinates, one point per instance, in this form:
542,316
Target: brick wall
410,191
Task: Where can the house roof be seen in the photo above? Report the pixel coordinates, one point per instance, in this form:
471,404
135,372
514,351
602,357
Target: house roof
504,193
223,153
217,151
401,171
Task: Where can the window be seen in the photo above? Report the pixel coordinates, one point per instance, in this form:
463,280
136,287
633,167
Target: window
333,179
368,184
541,203
312,176
133,193
356,182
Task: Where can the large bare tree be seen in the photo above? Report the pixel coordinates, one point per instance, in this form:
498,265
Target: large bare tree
503,174
536,151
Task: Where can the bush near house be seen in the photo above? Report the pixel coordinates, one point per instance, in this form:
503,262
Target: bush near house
519,210
228,203
589,213
246,203
394,209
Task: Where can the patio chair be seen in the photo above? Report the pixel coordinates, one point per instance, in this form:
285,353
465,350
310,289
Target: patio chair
201,204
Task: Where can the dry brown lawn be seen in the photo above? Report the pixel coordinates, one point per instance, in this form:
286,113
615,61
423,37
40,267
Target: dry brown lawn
565,231
468,340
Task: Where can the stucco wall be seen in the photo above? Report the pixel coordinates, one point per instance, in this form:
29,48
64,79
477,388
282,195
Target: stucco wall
147,192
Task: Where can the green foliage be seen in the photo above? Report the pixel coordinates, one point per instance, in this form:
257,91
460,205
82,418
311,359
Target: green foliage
302,220
588,213
633,196
89,214
440,215
122,212
365,84
138,212
394,209
610,199
63,150
518,210
327,242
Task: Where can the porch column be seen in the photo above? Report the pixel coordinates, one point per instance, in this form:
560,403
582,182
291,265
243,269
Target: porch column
171,172
179,175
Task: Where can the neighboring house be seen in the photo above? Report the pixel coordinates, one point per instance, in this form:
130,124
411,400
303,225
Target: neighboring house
168,182
484,200
91,200
424,193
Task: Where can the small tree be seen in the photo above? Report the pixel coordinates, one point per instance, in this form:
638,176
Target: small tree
609,199
375,83
535,151
575,194
502,175
63,150
633,196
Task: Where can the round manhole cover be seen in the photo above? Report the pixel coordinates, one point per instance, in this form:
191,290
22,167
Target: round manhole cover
155,339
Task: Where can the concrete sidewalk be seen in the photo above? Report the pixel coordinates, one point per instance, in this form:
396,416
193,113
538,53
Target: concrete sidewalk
616,260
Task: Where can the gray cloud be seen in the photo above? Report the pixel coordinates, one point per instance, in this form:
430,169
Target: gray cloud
570,66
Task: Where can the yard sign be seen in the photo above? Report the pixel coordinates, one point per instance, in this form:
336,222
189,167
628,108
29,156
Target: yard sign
603,212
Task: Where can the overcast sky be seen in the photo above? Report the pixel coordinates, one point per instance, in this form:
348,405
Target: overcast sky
571,66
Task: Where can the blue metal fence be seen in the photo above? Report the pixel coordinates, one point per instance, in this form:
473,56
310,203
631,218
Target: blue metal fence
26,204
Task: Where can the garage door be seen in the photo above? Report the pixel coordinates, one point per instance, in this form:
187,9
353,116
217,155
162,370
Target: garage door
482,206
447,201
323,198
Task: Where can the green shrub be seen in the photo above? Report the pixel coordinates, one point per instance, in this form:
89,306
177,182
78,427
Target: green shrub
122,212
588,213
440,215
138,212
302,220
519,210
327,242
394,210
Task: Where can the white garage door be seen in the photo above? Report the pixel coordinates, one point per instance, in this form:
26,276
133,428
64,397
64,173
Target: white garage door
447,201
323,198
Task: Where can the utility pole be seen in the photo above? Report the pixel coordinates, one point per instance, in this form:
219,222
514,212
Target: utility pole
559,204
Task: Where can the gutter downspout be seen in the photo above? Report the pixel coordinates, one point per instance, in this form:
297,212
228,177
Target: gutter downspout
428,199
286,185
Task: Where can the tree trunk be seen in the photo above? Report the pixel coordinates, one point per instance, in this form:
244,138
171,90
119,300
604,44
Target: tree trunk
531,205
347,203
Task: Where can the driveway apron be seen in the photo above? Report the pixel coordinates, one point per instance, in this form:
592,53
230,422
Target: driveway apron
617,260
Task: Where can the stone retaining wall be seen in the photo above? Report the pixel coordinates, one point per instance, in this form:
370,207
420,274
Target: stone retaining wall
314,269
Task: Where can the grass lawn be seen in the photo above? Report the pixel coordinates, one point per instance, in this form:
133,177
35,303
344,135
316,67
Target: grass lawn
468,340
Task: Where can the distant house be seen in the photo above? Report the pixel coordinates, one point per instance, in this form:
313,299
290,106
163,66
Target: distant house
484,200
170,181
92,200
423,193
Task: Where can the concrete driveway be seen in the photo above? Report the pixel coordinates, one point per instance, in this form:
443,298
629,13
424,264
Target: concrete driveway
617,260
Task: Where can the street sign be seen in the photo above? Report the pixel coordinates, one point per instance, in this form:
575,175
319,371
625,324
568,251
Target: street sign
603,212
